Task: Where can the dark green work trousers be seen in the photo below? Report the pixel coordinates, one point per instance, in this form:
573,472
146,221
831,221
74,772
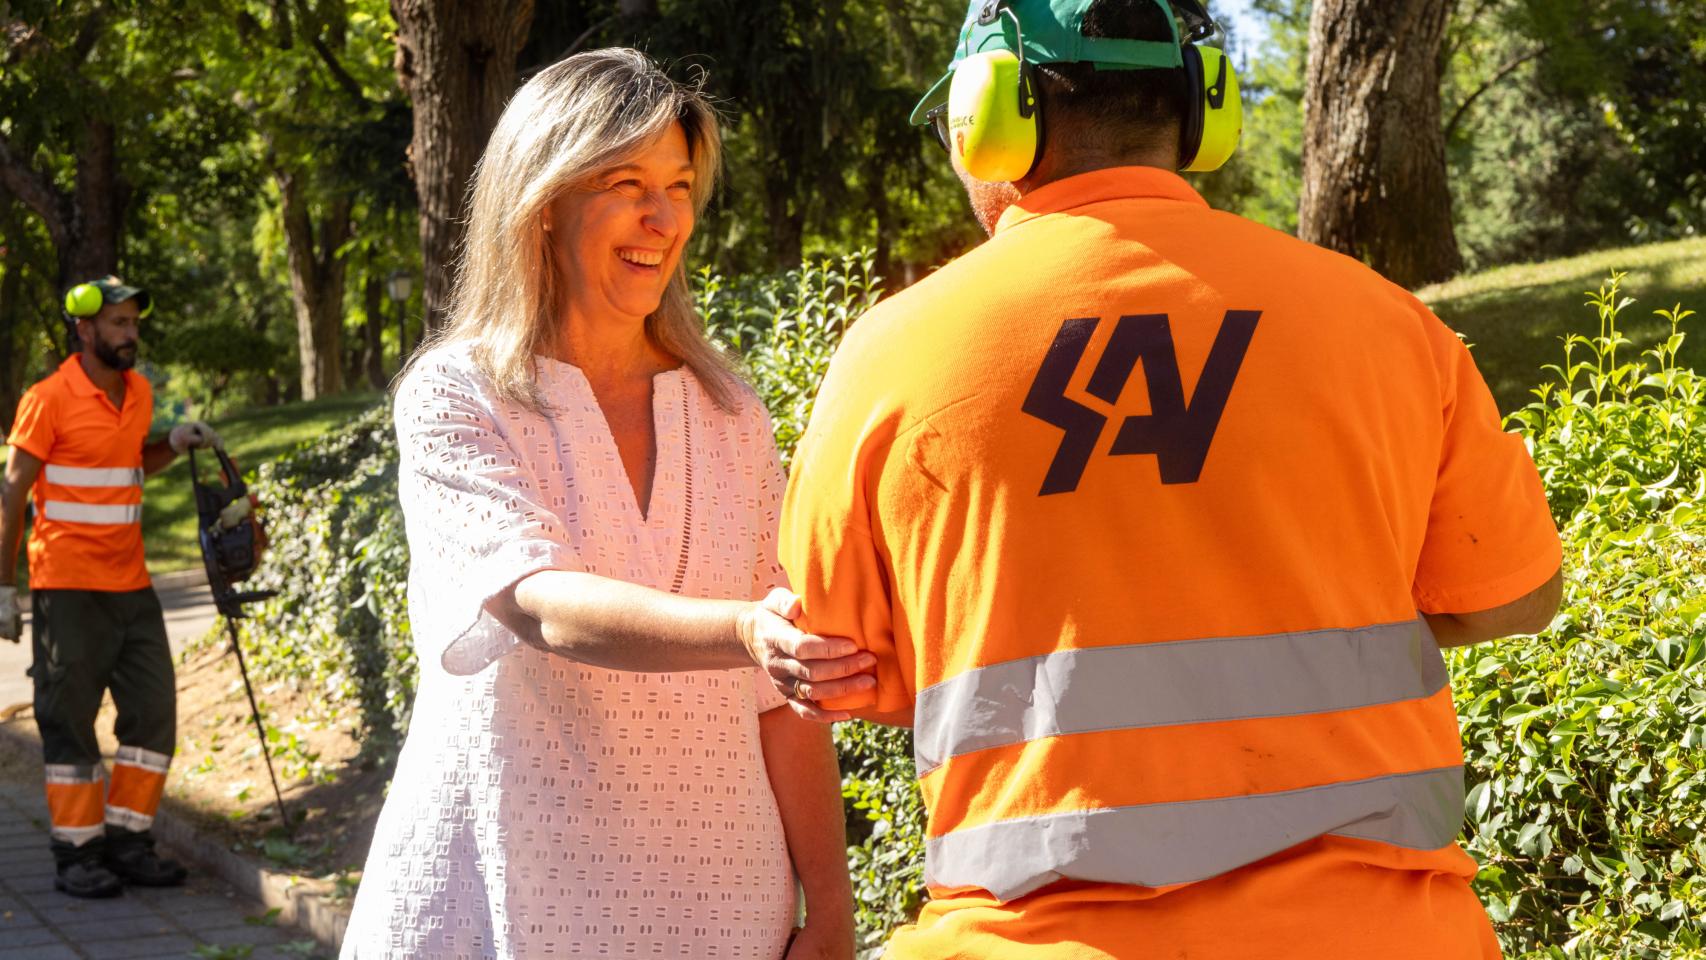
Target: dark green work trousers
89,641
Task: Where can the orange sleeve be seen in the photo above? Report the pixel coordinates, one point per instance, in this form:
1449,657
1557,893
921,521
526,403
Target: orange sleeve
827,546
32,427
1490,535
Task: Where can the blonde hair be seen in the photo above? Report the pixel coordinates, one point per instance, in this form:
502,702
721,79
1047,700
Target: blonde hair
582,115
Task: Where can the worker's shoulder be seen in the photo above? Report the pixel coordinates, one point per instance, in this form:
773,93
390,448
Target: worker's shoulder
950,292
1307,265
49,390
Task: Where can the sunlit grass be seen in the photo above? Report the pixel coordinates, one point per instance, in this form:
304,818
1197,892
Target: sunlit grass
1515,316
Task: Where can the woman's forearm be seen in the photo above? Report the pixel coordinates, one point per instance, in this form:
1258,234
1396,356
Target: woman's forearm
624,626
800,757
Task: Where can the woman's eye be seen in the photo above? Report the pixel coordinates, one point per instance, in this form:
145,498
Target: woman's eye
680,190
629,188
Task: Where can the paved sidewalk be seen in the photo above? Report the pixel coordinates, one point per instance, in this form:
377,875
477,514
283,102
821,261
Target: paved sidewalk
204,919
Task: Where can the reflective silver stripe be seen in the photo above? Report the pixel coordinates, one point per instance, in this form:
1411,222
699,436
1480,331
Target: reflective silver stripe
77,836
129,819
93,476
73,773
1158,844
146,759
1186,681
92,512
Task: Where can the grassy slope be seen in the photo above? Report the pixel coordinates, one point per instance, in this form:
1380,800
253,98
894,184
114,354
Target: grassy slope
1515,316
252,438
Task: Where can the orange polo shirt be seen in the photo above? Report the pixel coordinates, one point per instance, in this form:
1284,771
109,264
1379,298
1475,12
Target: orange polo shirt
1138,505
87,533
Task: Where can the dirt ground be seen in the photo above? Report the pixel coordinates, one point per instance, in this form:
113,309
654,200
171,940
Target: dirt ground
219,778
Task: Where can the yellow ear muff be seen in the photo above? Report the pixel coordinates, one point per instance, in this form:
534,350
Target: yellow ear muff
1219,113
992,117
84,300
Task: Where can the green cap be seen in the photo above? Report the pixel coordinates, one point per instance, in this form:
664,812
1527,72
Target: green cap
112,290
1050,29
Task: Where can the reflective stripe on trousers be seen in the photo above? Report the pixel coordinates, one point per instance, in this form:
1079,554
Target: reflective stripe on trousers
139,780
1170,684
75,794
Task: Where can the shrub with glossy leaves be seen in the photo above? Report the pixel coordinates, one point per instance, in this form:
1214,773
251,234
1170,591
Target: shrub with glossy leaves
1587,745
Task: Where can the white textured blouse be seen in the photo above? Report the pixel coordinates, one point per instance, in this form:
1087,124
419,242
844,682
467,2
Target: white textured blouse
543,808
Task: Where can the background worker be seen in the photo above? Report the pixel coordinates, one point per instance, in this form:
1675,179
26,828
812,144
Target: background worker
1155,520
79,443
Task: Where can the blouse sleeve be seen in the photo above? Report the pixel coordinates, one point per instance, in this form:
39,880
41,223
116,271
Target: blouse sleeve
758,441
476,522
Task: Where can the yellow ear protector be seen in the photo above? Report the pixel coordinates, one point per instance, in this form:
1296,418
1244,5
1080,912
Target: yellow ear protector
993,124
1214,115
86,300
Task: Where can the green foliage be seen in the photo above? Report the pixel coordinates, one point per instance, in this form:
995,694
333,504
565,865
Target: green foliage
885,829
1585,744
339,562
785,329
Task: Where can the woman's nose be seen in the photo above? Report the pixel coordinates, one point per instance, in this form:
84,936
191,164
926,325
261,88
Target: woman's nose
661,216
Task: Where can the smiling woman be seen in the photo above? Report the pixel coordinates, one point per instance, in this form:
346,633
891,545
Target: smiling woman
591,495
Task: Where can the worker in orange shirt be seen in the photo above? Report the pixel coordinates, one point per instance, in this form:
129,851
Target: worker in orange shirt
1156,521
79,442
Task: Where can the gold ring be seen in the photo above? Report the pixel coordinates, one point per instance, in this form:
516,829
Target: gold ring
794,688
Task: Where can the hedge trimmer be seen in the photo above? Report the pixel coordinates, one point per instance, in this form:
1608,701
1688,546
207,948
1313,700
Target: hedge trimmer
231,543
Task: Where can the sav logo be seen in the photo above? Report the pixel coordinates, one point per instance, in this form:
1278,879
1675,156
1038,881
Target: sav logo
1177,433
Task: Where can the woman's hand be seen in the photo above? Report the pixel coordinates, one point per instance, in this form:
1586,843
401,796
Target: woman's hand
820,943
803,667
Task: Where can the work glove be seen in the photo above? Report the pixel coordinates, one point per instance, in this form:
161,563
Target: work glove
193,434
11,618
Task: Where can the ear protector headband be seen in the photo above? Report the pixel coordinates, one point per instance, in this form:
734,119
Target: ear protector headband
993,123
86,300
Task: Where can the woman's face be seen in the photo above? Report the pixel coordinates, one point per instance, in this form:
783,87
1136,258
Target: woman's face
617,240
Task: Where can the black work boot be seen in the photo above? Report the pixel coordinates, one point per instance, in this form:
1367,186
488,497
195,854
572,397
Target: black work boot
130,854
80,872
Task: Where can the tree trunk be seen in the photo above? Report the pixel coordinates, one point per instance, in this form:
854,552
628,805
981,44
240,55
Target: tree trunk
84,224
97,208
1374,175
317,282
9,290
373,302
787,225
456,63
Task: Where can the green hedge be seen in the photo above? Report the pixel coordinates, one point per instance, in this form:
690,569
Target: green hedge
1586,746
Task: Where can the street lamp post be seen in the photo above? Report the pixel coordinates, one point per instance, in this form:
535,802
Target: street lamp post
397,287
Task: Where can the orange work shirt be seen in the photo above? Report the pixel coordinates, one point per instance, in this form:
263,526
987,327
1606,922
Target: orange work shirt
88,497
1138,505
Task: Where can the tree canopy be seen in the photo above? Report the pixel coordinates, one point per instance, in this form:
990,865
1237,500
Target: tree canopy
266,165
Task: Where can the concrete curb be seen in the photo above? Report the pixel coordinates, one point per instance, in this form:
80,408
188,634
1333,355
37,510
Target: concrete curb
299,902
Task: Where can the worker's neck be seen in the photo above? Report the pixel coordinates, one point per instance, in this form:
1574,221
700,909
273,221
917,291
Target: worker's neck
101,375
1052,167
